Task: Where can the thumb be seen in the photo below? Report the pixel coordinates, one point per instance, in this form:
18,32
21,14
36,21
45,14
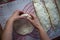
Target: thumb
29,19
21,17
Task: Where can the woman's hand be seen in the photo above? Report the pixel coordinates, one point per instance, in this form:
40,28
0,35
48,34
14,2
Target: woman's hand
34,20
16,15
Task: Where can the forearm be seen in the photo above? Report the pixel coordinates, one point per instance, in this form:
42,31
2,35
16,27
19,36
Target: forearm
7,34
43,34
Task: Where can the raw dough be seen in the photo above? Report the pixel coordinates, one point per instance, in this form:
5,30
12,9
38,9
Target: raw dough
23,26
26,15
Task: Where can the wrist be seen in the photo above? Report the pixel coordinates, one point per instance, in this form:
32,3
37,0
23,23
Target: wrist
39,27
10,21
9,24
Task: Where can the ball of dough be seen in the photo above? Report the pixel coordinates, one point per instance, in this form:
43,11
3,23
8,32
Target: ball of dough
23,26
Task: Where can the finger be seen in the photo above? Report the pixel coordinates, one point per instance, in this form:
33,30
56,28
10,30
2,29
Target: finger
21,17
33,16
29,19
17,12
21,12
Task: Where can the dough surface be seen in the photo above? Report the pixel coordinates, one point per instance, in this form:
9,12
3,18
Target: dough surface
23,26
